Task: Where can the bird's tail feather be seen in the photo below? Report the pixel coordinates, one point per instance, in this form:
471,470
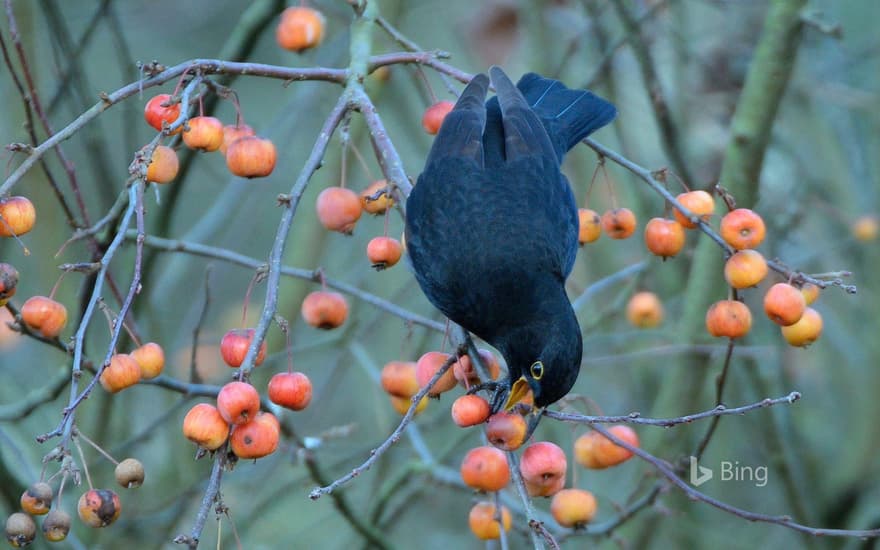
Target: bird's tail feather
569,115
461,134
523,129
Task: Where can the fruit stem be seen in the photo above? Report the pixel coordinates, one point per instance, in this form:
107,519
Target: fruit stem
96,447
55,286
82,459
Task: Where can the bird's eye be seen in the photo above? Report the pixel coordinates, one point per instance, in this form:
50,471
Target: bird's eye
537,370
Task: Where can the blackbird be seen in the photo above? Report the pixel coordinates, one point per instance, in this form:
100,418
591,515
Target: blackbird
492,226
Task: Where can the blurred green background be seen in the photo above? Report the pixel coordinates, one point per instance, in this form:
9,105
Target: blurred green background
820,174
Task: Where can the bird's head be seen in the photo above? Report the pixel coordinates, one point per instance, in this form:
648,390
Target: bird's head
550,368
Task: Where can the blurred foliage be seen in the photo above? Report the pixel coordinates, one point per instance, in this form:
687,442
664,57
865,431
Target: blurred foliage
820,174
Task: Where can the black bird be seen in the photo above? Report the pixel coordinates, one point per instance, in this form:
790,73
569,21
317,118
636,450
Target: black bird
492,225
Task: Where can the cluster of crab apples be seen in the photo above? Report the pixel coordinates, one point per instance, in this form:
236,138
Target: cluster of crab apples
486,469
96,507
236,416
743,230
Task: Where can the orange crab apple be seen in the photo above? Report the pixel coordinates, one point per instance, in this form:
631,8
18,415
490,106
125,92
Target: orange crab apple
745,268
300,28
742,228
784,304
434,116
483,523
204,426
398,378
338,209
470,410
163,166
700,203
384,252
543,467
122,372
619,223
728,318
664,238
234,346
573,507
644,310
150,357
232,133
292,390
238,402
155,113
381,203
506,430
17,216
589,226
324,309
485,469
257,438
251,157
805,331
204,133
428,365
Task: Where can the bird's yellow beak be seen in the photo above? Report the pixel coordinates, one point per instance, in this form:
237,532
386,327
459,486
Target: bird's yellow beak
518,391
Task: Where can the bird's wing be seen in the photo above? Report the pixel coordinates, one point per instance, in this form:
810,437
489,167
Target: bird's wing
524,133
461,135
569,115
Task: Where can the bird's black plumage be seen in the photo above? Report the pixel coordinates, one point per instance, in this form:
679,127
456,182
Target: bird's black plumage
492,227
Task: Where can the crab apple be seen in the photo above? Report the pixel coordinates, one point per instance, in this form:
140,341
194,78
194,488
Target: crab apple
428,365
594,450
122,372
865,228
619,223
589,226
806,331
204,133
204,426
470,410
506,430
150,357
784,304
742,228
381,203
99,507
644,310
573,507
17,216
700,203
234,346
238,402
324,309
251,157
155,113
37,499
232,133
163,166
257,438
20,530
543,466
402,404
56,526
483,523
300,28
8,282
434,115
664,238
398,378
485,469
129,473
338,209
384,252
728,318
464,371
745,268
811,292
292,390
44,315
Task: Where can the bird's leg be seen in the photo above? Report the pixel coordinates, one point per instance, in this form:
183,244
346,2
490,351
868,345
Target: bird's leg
498,390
